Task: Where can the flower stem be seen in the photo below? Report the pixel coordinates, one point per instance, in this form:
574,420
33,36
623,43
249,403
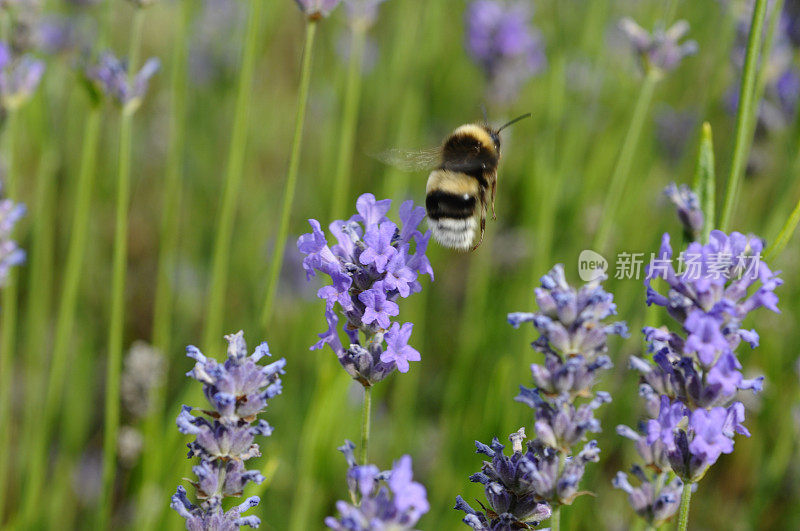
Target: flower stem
352,95
747,105
622,169
65,318
291,178
686,498
555,518
168,249
119,264
9,318
233,179
366,414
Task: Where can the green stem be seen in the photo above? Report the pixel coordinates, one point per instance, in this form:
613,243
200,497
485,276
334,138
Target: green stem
291,178
623,167
119,264
233,179
555,518
352,95
686,499
65,319
9,319
115,336
744,116
168,250
366,414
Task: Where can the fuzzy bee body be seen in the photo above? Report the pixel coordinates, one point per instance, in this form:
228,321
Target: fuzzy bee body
463,185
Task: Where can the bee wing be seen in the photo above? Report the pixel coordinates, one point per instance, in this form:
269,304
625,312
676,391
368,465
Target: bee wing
424,159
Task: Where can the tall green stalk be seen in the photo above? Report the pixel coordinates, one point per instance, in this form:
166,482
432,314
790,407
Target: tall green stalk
686,499
744,115
291,178
347,134
168,249
233,178
119,265
56,375
622,170
8,319
366,415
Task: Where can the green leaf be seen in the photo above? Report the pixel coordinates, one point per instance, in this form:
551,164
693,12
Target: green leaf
704,184
784,235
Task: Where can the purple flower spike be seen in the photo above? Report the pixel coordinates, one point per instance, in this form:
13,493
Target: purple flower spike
371,265
19,77
660,50
238,390
109,76
386,500
692,381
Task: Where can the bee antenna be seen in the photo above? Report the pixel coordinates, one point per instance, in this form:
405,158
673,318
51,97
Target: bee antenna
485,114
515,120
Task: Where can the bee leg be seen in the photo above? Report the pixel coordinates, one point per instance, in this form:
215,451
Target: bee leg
483,228
494,191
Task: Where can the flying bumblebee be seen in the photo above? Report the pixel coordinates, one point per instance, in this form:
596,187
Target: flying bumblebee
462,184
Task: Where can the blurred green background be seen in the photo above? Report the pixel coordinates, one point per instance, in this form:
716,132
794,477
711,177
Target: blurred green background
418,85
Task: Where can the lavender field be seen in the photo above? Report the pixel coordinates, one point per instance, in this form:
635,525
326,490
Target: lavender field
228,299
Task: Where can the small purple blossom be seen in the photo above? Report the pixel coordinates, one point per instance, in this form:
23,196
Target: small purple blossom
502,41
109,76
688,207
398,349
373,264
19,77
655,505
386,500
237,390
661,49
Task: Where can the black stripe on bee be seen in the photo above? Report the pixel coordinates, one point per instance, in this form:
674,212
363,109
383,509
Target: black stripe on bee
466,153
441,204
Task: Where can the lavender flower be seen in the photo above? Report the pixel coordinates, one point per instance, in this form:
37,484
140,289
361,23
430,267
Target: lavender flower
385,500
10,253
688,205
522,489
238,391
502,41
109,76
371,268
661,50
317,9
692,382
19,77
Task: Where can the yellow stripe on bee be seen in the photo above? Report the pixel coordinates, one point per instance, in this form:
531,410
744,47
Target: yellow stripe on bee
452,182
478,132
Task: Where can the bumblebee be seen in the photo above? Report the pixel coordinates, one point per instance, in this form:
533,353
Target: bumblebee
462,184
